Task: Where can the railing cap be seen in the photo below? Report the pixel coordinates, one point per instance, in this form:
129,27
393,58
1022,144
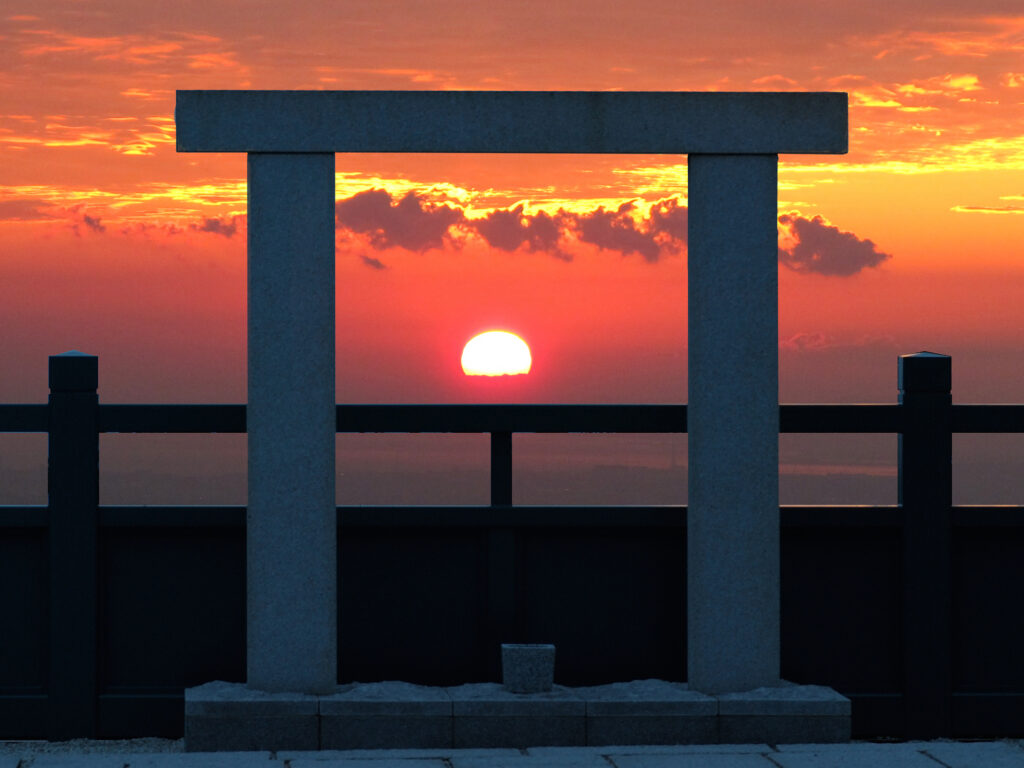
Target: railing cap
925,372
74,371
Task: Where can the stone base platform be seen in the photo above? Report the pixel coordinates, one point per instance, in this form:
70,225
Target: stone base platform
229,717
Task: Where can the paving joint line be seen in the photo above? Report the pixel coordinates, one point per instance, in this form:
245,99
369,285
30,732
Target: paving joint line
928,754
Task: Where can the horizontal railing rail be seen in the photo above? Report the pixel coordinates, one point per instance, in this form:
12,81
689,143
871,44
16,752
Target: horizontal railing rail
548,418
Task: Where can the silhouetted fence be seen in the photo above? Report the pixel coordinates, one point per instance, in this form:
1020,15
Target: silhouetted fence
109,612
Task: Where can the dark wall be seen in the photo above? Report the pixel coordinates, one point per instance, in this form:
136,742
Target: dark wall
431,604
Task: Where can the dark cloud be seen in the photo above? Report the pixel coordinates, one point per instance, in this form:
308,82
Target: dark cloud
824,249
227,228
509,229
617,231
411,223
415,223
671,218
93,223
145,229
372,262
21,209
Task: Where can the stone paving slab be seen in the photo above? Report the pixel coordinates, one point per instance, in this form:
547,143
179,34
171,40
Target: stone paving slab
992,754
933,754
876,749
79,761
565,760
906,755
380,754
692,761
685,749
200,759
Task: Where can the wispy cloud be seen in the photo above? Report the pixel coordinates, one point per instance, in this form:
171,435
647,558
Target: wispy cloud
998,209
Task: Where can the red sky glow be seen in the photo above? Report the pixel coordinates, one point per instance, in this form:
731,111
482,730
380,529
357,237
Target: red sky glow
114,244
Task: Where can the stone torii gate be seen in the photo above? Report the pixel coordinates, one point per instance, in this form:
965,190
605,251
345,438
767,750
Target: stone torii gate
733,141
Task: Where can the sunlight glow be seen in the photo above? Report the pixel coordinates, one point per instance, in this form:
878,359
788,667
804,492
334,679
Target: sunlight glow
496,353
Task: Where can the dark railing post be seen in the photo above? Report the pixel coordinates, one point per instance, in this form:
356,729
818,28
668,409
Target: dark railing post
73,491
501,469
926,496
501,556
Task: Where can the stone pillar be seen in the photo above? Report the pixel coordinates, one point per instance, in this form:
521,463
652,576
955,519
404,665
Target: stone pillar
733,424
291,542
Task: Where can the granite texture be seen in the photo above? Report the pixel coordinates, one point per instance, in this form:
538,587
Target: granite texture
520,121
385,731
221,699
485,714
651,729
784,714
388,698
385,715
733,424
394,714
648,712
291,543
491,699
228,717
786,699
645,697
527,667
519,730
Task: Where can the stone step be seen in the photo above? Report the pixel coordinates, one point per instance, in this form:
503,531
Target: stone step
223,716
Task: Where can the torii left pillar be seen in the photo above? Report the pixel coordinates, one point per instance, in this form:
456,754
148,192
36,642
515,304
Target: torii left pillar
291,523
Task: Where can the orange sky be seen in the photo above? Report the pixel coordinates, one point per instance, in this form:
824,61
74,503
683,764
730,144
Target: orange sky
112,243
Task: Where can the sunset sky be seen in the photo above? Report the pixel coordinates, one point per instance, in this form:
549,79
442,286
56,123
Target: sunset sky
114,244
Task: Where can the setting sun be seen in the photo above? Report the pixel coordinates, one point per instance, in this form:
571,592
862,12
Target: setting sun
496,353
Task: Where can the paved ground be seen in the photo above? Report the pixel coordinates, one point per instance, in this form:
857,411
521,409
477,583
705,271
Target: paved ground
160,753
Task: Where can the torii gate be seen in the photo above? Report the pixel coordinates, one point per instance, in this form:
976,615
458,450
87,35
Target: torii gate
733,141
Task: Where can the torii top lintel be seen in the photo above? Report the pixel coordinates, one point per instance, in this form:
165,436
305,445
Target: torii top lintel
571,122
